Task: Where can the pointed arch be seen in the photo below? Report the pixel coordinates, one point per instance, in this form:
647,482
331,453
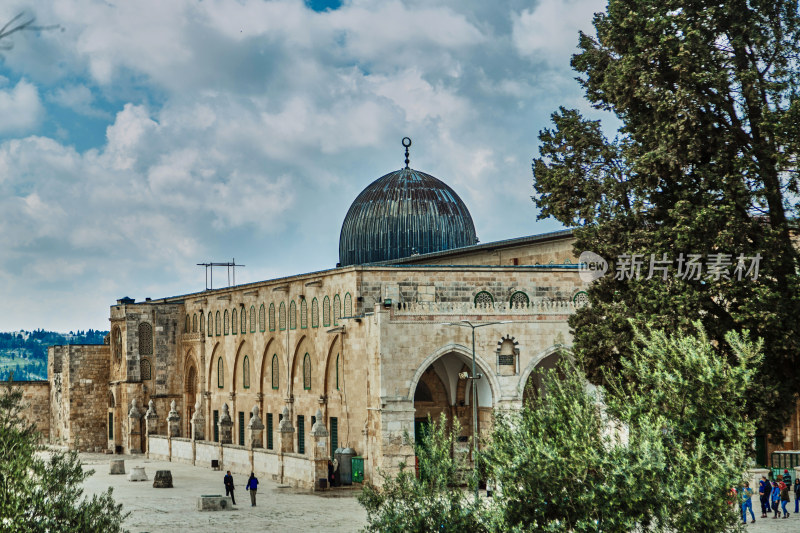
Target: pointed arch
282,317
303,313
145,339
220,373
202,322
535,361
337,309
225,322
272,317
262,319
194,323
218,324
292,315
314,313
252,319
243,320
234,322
334,353
187,327
348,305
326,312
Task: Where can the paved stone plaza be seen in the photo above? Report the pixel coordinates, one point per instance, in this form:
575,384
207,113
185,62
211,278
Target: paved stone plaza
165,510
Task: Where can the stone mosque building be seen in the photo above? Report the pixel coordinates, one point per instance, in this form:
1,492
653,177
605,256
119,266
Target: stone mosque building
274,376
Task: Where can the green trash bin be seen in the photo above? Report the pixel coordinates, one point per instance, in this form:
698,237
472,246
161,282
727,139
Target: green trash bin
358,469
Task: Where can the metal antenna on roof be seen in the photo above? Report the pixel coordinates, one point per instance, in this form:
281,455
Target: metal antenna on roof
406,143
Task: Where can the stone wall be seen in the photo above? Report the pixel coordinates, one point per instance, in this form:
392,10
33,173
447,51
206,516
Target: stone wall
79,396
36,402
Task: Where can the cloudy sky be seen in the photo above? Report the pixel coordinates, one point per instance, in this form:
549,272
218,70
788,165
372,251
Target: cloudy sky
140,138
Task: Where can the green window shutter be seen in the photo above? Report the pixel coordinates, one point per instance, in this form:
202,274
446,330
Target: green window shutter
241,428
216,426
269,431
301,434
334,425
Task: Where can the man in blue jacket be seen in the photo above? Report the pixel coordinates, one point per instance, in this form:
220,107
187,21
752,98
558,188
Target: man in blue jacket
252,486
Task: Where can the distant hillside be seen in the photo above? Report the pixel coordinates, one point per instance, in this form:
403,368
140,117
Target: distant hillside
25,352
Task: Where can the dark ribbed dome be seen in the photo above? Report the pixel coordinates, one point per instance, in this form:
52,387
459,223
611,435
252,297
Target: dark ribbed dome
403,213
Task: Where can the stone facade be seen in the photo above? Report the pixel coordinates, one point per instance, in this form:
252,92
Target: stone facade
36,401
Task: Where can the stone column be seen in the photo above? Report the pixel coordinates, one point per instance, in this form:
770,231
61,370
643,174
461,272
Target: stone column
225,426
320,455
198,422
173,421
256,429
151,424
134,431
286,433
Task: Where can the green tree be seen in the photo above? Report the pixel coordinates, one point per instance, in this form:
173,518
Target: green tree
41,490
655,454
705,162
432,501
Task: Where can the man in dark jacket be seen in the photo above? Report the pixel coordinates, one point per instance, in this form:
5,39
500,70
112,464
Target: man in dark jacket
228,480
252,486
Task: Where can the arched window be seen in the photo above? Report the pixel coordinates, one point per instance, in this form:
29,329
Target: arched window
144,369
581,299
483,298
303,314
314,313
234,322
218,325
337,371
202,322
244,320
194,323
282,317
116,339
186,328
337,309
220,373
292,315
145,339
519,299
252,319
225,322
326,312
272,317
307,372
246,372
210,324
348,305
275,372
262,319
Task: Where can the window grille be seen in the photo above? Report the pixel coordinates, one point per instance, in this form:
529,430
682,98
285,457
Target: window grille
334,425
337,371
246,372
144,367
519,299
282,317
348,305
241,428
244,320
292,315
145,339
210,324
275,372
272,317
337,309
252,319
303,314
326,312
301,434
262,319
314,313
218,324
483,298
307,372
220,373
225,322
234,322
270,444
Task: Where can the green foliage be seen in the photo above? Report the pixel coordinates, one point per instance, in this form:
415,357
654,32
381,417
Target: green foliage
433,501
704,162
25,352
40,490
658,454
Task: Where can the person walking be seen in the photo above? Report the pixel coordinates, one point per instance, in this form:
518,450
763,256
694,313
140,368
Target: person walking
252,486
787,477
745,496
764,490
797,495
784,498
775,498
228,481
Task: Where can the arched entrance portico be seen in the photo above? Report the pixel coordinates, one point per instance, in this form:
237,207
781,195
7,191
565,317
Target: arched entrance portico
437,389
531,383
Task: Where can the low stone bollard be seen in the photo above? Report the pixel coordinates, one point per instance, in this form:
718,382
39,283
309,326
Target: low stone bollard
214,502
137,474
163,479
117,466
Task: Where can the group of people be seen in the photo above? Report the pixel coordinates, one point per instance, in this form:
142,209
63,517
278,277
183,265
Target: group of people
774,496
252,486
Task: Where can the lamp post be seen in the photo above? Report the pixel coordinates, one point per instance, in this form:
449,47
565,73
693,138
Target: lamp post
473,377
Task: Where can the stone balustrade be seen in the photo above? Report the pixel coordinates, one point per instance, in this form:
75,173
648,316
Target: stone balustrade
541,306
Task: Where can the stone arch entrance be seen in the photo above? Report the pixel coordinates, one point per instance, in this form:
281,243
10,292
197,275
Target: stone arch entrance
438,389
190,397
114,427
532,388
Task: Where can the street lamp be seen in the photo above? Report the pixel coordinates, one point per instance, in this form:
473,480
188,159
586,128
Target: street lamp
473,377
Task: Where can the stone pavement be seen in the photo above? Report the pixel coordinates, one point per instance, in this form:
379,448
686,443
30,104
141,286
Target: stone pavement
779,525
164,510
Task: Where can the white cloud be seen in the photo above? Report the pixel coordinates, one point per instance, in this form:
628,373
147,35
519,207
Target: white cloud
549,32
80,99
20,108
